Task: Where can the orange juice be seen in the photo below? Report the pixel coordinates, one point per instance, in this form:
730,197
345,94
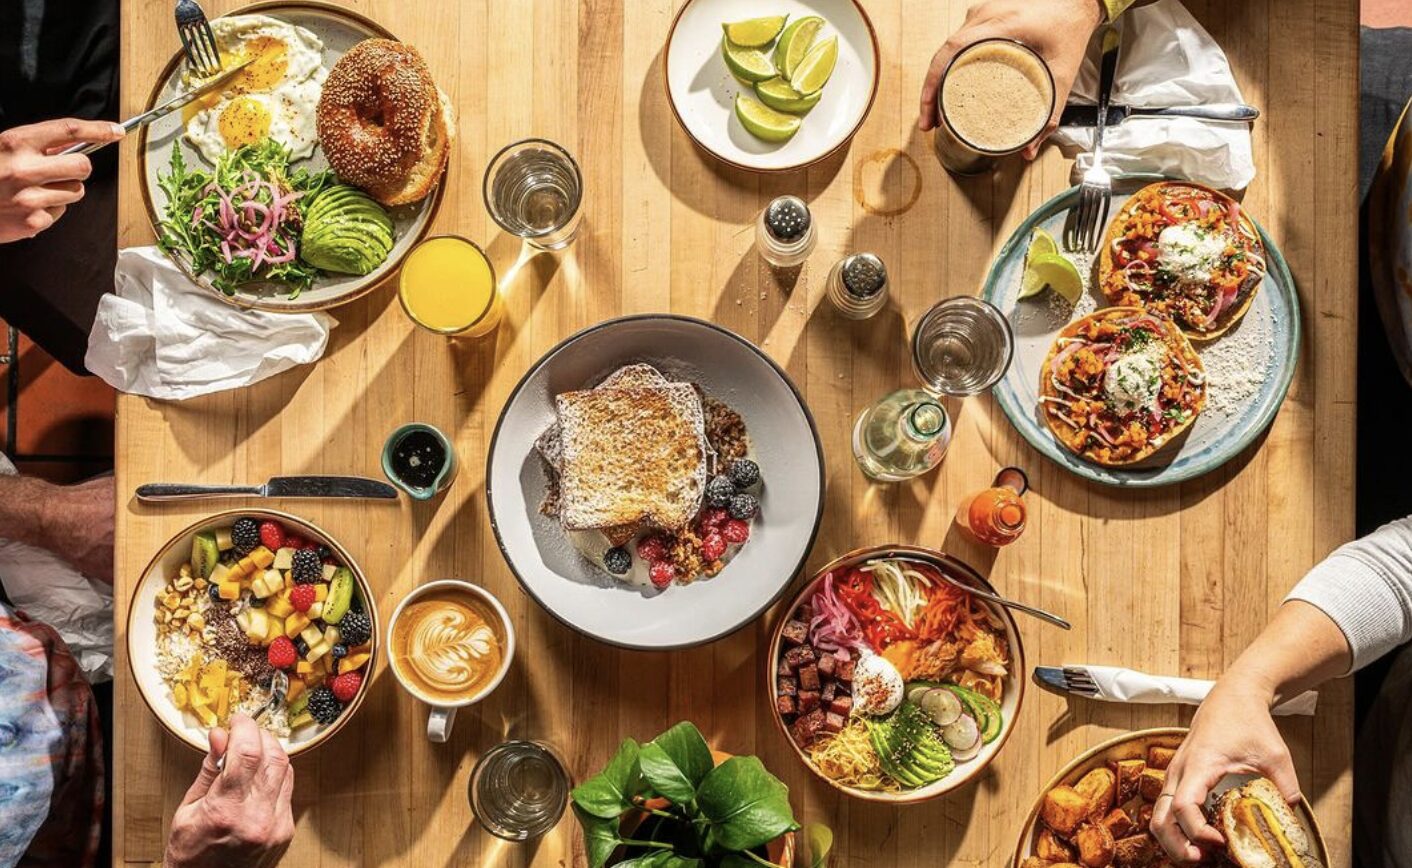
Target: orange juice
448,286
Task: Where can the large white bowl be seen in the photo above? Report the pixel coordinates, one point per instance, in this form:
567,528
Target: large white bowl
701,90
785,444
142,630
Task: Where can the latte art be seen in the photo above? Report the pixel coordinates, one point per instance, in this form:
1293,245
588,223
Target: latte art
449,648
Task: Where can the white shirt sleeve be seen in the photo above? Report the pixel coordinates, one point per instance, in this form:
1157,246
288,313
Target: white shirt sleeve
1365,587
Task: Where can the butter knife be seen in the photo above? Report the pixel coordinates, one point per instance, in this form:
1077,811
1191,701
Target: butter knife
165,108
279,486
1087,115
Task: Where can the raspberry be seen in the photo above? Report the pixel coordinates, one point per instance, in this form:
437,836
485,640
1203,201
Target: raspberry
346,685
652,548
662,573
281,653
713,547
714,517
736,531
271,535
294,541
302,597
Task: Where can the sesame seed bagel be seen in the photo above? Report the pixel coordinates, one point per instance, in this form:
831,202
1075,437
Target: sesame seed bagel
383,124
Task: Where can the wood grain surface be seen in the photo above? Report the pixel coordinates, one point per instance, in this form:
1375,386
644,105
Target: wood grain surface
1175,580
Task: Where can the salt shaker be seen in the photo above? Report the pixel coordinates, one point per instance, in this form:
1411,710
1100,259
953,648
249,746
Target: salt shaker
858,285
785,232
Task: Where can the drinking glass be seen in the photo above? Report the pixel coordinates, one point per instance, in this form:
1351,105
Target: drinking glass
997,110
961,347
533,189
519,790
448,285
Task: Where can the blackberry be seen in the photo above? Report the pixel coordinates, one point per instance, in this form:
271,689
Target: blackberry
245,535
744,473
307,567
215,593
323,705
719,491
338,651
355,628
743,506
302,647
617,561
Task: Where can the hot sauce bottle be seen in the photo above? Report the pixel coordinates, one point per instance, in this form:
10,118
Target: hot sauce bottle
996,516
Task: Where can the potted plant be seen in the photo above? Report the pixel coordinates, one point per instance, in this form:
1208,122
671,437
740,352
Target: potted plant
671,803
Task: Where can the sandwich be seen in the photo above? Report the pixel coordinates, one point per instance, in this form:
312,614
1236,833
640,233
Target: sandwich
1261,830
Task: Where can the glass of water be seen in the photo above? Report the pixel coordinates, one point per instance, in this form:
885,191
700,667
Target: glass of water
519,790
533,189
961,347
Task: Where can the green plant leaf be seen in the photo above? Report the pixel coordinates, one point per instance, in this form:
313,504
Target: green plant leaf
609,793
817,842
600,836
676,761
745,804
661,859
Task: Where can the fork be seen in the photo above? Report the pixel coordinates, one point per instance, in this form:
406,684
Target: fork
1079,681
197,40
1096,190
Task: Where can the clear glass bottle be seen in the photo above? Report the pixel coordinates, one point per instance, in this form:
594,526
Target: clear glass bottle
858,285
785,232
902,436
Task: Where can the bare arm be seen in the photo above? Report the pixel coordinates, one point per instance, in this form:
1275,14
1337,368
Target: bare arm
73,522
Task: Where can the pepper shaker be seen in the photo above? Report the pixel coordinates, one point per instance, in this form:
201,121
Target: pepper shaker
785,232
858,285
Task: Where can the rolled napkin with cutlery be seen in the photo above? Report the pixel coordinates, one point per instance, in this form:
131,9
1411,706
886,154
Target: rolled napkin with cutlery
161,336
1115,684
1167,61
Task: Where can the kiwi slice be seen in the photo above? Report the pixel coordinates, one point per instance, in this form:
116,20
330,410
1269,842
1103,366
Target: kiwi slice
205,554
340,596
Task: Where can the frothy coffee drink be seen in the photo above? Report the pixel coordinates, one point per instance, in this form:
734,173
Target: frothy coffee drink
447,645
995,99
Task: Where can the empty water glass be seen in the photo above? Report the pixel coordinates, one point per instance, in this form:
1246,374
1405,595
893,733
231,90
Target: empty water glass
519,790
962,346
533,189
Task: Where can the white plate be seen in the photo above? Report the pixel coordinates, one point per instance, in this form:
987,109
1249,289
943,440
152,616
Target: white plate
339,30
784,443
142,630
701,90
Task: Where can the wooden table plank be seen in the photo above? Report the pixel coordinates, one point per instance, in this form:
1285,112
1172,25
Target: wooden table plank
1176,580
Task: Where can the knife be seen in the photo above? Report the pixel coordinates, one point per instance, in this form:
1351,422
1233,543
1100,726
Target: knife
165,108
1113,684
1087,115
279,486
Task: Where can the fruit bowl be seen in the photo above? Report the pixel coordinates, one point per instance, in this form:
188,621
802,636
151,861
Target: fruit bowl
164,601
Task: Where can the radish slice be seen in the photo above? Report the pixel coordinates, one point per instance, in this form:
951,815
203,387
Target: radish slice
915,695
969,753
962,733
942,705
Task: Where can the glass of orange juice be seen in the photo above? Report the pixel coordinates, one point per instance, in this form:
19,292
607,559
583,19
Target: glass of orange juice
448,286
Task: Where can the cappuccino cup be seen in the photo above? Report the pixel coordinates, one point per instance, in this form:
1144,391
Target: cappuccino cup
449,644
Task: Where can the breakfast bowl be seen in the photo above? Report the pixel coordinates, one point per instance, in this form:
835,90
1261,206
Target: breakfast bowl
1128,758
933,666
704,88
678,367
207,629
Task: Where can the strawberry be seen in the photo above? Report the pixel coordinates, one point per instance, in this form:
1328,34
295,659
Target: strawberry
345,686
713,547
652,548
301,597
271,535
662,573
736,531
281,653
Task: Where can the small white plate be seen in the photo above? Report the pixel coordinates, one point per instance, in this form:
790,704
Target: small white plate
784,443
701,90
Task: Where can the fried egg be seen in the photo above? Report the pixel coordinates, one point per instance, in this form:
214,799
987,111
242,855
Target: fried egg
275,96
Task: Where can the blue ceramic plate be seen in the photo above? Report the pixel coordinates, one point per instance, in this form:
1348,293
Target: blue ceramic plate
1248,368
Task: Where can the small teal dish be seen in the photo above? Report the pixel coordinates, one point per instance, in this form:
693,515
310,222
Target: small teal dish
1256,358
442,480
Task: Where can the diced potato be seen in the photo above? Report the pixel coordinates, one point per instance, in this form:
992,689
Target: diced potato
1127,772
1095,845
1098,786
1160,757
1062,808
1150,783
1135,850
1049,847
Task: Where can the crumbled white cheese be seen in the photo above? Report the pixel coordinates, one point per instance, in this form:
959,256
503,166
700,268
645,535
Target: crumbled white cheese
1189,253
1133,380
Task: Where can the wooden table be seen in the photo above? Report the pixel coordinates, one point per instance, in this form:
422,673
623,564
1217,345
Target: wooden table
1176,580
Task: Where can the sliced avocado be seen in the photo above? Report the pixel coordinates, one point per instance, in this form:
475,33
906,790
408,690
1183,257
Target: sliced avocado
205,554
982,708
340,596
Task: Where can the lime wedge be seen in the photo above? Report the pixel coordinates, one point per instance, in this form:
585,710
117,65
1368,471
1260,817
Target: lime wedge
794,43
814,70
778,95
747,64
756,32
1041,242
763,122
1055,271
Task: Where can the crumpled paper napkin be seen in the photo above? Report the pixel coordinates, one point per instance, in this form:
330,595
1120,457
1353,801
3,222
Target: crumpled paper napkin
161,336
1128,685
1167,59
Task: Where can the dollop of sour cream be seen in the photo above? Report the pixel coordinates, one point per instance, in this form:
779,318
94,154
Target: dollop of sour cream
877,685
1133,379
1189,253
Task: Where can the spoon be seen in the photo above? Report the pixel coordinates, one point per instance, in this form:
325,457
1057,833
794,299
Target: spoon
279,688
941,569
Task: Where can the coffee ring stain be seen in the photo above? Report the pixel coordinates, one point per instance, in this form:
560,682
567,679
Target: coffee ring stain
899,171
